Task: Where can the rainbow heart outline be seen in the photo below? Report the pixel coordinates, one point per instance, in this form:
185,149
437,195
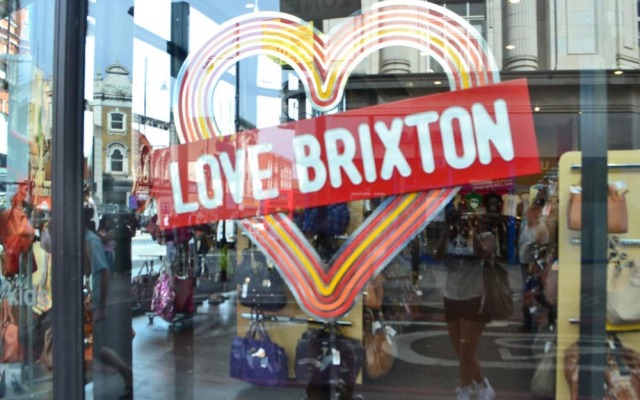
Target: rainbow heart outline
328,294
325,66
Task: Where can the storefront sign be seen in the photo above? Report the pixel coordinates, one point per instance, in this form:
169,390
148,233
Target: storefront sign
392,149
399,149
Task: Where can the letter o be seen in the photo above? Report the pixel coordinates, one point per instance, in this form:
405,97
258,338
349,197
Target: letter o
466,135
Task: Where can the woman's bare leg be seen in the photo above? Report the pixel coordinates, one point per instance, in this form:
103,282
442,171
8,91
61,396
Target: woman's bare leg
470,334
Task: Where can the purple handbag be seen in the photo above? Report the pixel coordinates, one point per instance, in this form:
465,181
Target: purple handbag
163,298
256,359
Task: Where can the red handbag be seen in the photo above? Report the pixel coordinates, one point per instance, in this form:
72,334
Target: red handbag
17,237
183,287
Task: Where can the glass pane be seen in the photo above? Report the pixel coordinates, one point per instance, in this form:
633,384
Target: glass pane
477,8
357,187
26,66
458,8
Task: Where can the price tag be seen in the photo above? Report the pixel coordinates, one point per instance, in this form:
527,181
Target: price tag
245,290
390,331
419,292
335,357
264,362
375,326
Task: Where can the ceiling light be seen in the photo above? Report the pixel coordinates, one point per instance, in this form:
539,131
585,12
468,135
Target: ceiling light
514,1
510,47
536,108
437,83
618,72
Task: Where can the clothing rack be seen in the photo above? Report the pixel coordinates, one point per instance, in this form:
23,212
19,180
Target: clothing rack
623,242
298,320
611,166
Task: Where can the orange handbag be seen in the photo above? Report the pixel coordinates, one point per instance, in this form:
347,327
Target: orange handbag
17,237
11,351
617,221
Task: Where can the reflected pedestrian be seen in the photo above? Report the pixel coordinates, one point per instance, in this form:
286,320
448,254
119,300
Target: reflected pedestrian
463,251
105,332
106,232
534,233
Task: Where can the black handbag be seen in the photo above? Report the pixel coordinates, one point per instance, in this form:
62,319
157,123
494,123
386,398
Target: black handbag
261,286
143,286
497,301
316,355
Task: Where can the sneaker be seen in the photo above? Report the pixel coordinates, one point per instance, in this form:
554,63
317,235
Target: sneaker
484,390
465,393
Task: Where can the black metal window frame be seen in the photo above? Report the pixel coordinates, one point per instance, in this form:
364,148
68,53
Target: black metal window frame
67,170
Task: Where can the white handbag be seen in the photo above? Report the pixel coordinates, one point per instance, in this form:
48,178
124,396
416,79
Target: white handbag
623,289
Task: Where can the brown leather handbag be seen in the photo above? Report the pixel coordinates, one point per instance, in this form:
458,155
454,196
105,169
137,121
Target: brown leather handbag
379,356
617,221
375,292
11,351
622,371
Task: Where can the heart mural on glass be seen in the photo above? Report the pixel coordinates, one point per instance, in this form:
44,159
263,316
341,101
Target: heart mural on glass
323,63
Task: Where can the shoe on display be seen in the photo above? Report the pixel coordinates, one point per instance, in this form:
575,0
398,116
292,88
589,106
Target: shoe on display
465,393
484,390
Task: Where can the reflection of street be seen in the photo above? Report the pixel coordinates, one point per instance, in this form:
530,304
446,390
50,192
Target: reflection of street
142,247
425,367
508,350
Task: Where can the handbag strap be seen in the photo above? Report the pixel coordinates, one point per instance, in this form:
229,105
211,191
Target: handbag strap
257,329
617,257
615,350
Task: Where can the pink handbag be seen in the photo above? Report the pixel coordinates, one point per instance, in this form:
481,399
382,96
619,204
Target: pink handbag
163,298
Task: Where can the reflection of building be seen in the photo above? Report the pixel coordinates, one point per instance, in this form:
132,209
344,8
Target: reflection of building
12,26
114,145
121,153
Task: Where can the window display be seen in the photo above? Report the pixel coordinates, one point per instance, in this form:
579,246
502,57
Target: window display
365,199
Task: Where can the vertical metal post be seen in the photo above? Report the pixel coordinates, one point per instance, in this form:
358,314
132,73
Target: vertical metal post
593,144
66,223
